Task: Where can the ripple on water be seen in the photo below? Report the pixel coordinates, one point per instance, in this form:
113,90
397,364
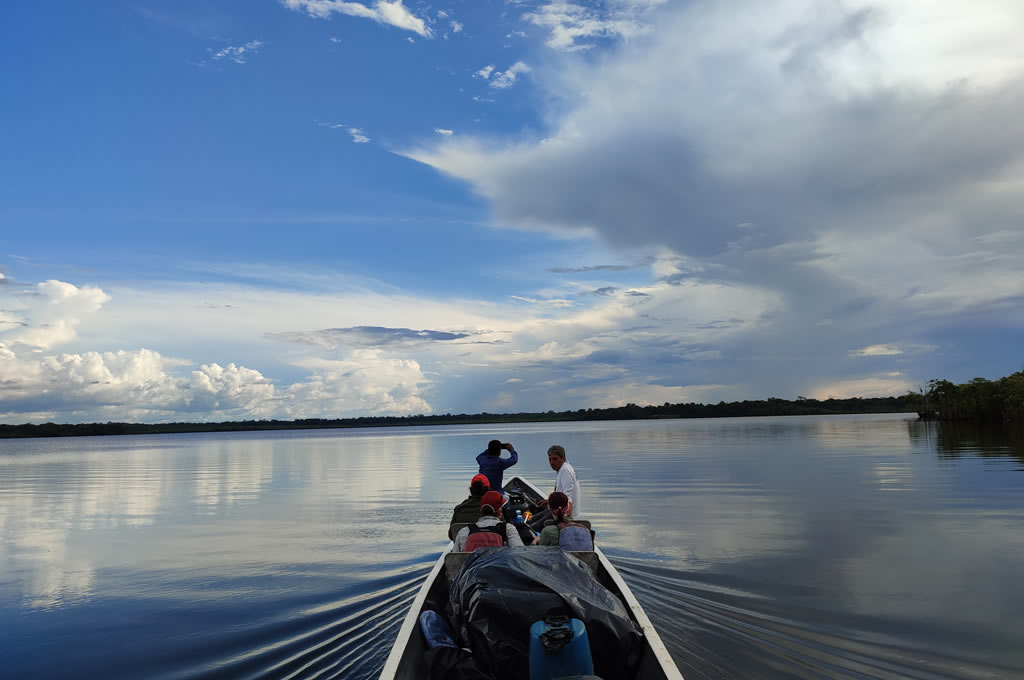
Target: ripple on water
717,628
348,637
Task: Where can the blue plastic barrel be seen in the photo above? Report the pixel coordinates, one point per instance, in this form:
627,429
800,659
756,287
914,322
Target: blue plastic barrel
559,647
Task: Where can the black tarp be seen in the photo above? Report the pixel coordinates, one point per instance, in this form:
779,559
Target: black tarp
500,592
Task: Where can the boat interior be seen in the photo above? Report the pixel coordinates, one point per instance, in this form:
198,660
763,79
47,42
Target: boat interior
412,662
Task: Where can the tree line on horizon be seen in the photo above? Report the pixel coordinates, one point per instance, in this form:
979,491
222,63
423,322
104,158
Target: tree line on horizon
760,407
997,401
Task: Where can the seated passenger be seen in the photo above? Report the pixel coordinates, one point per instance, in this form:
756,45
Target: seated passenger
488,530
469,510
563,531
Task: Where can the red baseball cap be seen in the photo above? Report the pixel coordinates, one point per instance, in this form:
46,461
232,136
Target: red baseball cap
493,499
481,478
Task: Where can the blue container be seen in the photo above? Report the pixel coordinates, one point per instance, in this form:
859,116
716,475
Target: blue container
559,646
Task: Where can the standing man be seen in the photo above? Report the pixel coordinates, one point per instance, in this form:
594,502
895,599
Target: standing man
492,465
565,479
565,482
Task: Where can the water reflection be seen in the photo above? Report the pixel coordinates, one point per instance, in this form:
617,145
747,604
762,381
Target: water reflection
956,440
769,548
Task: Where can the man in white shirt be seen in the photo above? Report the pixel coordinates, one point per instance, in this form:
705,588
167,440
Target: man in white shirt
565,481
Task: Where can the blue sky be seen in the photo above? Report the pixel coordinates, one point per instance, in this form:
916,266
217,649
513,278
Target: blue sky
308,208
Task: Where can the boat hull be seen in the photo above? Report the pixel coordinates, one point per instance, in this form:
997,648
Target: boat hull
406,660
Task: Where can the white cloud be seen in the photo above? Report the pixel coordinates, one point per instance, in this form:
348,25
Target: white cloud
553,302
875,176
365,383
485,72
876,386
51,315
444,132
876,351
507,78
383,12
237,53
358,136
456,27
569,22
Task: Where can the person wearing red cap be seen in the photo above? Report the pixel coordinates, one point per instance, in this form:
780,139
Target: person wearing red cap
488,531
469,510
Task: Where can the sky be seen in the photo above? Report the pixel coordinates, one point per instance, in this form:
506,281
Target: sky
318,208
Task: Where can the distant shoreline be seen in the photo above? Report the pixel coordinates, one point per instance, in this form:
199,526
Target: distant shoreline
761,407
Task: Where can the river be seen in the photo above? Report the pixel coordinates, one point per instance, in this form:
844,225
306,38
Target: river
797,547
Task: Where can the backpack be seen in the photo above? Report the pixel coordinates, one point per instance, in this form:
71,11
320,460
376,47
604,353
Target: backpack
573,536
486,537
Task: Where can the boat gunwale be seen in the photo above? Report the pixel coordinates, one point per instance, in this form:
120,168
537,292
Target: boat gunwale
409,624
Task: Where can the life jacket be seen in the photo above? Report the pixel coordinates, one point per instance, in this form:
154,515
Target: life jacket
573,536
486,537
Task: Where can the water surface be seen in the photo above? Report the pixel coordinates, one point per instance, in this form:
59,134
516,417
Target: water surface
806,547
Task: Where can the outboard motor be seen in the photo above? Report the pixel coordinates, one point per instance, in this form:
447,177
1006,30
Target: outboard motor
559,648
516,501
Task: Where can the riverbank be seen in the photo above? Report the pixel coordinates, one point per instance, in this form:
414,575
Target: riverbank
996,401
751,408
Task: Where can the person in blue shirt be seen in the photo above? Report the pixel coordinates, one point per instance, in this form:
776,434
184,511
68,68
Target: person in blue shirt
492,465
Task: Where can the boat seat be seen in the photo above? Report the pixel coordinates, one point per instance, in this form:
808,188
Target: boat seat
454,529
453,562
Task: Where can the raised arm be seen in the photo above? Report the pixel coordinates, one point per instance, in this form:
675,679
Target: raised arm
512,459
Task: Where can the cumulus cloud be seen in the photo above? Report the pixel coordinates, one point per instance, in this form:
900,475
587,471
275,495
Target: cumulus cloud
444,131
50,314
365,383
800,148
143,384
507,78
383,12
485,72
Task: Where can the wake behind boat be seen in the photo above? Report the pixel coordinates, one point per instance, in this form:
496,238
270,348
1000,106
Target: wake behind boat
407,660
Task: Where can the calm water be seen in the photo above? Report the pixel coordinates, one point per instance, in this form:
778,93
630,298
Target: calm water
841,547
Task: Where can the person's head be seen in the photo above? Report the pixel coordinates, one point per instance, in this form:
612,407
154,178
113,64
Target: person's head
558,503
490,503
494,447
556,457
479,485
